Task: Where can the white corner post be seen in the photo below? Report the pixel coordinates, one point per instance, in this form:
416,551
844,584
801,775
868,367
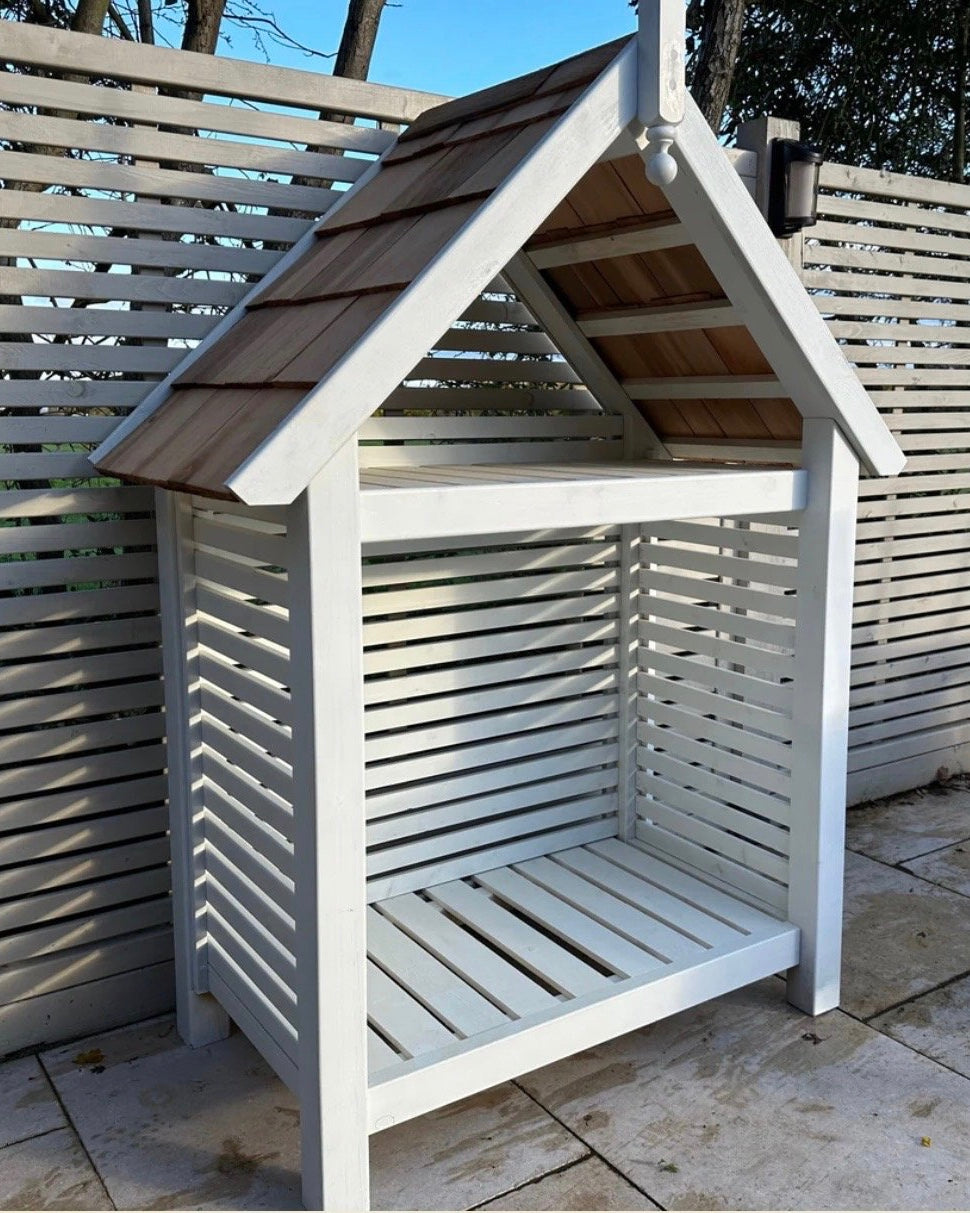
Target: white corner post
200,1019
628,669
661,83
329,840
823,651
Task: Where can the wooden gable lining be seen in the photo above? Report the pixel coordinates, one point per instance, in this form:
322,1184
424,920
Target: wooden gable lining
613,197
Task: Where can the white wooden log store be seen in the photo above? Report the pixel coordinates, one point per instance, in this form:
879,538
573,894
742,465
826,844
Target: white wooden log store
495,729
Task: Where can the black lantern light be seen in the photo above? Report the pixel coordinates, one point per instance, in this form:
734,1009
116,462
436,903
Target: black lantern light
793,186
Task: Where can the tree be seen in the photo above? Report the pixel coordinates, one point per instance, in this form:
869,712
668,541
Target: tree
872,82
716,27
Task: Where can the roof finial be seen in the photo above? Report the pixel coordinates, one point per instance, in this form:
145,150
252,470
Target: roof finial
661,85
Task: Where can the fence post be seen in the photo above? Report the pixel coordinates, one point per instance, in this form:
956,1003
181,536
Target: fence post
756,136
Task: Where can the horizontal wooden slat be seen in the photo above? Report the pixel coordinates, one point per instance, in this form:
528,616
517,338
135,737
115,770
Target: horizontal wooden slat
43,47
138,106
650,238
159,145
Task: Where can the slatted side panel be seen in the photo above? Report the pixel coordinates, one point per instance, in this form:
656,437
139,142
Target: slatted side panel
495,389
491,702
130,221
491,723
715,700
887,263
241,595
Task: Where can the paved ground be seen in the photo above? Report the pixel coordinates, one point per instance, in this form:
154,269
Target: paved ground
742,1103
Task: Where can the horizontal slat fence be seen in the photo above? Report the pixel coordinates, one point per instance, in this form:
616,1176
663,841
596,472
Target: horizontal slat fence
131,217
130,220
887,264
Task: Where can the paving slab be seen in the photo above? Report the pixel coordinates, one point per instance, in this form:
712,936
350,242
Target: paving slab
744,1103
590,1184
172,1127
903,936
468,1153
28,1106
938,1024
912,824
949,868
49,1172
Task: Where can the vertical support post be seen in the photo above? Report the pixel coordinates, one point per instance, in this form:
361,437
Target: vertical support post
823,652
661,83
200,1019
329,838
627,678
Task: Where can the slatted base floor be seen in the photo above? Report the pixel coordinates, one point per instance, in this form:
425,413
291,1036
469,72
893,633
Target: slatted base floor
476,980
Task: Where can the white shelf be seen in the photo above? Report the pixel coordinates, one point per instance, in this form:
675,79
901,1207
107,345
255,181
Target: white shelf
437,502
476,980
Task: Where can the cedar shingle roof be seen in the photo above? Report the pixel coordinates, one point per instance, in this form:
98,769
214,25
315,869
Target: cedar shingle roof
368,251
380,245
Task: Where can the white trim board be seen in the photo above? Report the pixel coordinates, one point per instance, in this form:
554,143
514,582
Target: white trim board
438,502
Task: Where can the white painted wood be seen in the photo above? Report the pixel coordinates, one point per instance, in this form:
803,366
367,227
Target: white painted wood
595,865
327,687
608,910
138,141
661,53
580,1023
99,212
820,720
627,691
435,508
408,1025
481,967
534,951
164,182
455,867
67,53
286,461
76,97
201,1020
639,439
459,1006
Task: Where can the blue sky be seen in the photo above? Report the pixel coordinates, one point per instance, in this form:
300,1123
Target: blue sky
444,46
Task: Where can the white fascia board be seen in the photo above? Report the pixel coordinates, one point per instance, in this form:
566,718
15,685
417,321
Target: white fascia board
733,237
288,460
162,390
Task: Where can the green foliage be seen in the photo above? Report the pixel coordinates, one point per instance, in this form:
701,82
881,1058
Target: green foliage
873,82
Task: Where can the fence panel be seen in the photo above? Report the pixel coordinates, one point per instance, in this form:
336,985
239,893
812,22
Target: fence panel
132,215
888,266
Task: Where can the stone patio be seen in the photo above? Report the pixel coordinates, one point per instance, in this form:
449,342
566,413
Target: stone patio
742,1103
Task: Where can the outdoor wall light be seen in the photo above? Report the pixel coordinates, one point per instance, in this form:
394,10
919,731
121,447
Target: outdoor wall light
793,186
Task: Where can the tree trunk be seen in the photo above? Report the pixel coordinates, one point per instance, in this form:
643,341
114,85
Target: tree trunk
962,39
357,42
203,19
89,16
146,25
718,54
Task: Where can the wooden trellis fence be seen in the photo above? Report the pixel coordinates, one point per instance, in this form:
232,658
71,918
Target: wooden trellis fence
131,217
889,264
